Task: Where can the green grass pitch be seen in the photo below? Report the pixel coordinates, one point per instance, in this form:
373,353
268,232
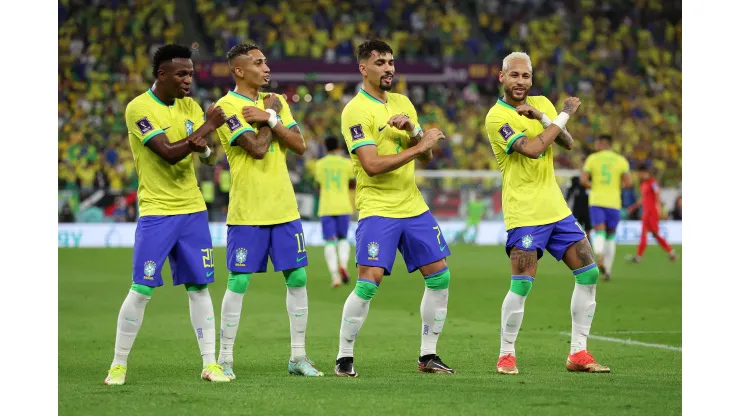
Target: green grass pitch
642,303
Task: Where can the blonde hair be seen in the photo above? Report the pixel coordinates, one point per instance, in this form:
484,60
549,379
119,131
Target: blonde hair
516,55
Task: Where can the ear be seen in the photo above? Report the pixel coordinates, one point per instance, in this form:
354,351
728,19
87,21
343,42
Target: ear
363,70
500,76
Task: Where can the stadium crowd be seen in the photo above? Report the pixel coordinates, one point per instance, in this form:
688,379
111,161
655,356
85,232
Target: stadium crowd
623,60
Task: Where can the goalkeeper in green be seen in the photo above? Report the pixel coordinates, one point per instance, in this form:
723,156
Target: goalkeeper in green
475,211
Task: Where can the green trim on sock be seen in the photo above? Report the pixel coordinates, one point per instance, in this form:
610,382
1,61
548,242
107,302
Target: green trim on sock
589,277
238,282
365,290
330,243
600,233
521,287
192,287
440,282
295,277
142,290
610,237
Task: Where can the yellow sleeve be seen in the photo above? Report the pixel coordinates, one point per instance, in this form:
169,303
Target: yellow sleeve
357,128
286,117
140,123
349,169
316,169
501,134
589,164
548,108
235,124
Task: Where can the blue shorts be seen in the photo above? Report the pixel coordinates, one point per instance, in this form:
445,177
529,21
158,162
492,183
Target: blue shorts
556,238
419,239
601,215
334,226
185,239
248,246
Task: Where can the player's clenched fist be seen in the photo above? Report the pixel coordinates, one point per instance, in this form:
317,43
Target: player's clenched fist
401,122
215,116
571,105
197,144
255,115
528,111
430,138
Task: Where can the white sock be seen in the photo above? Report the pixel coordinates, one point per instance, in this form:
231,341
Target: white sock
130,319
201,316
433,315
231,310
610,252
353,315
297,305
598,245
512,314
330,254
582,307
343,247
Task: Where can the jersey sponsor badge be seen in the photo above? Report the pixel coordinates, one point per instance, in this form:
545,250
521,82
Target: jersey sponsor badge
506,131
144,125
357,132
233,123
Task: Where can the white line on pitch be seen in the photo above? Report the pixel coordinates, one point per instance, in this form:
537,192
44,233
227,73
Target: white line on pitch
640,332
631,342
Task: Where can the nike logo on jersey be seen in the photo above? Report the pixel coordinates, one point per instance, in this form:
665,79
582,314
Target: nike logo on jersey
524,130
297,259
381,128
165,129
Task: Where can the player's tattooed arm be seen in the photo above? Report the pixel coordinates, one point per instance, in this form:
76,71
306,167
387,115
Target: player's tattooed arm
564,139
256,144
211,159
290,137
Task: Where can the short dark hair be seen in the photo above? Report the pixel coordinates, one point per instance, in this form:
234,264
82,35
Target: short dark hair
643,167
366,48
331,143
239,50
167,53
607,137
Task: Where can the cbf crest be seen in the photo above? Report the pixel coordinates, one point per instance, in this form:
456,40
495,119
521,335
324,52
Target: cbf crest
372,251
527,241
150,268
241,257
189,127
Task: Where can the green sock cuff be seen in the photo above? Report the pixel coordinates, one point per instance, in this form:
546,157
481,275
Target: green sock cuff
521,285
610,237
600,233
238,282
439,280
295,277
331,243
365,289
588,275
192,287
142,290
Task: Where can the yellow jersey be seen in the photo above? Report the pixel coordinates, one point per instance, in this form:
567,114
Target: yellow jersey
531,195
261,191
364,123
333,173
164,189
606,168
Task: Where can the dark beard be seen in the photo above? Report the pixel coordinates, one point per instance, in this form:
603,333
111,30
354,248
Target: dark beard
385,87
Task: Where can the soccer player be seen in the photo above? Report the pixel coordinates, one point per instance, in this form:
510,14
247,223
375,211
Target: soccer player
605,172
577,198
383,136
475,210
333,174
164,128
263,219
521,129
650,200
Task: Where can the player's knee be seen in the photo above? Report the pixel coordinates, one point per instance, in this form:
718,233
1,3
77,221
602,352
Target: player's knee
295,277
521,284
192,287
588,275
238,282
142,290
439,280
366,289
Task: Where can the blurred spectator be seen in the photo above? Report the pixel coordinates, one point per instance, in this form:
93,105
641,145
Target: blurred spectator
120,214
676,213
66,215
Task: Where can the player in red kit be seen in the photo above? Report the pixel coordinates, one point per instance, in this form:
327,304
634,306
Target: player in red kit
650,200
